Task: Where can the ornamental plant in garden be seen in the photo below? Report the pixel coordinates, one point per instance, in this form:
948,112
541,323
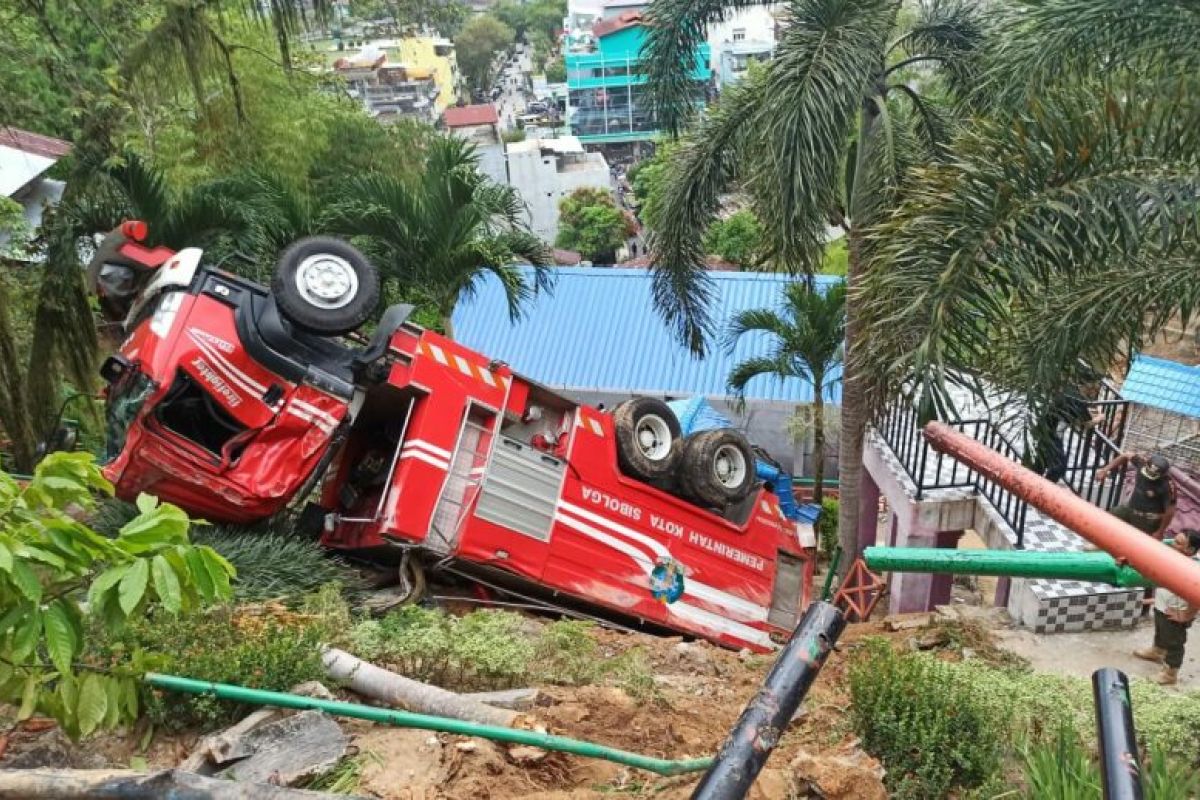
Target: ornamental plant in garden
60,580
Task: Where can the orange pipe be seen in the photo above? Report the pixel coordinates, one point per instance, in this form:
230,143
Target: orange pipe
1163,565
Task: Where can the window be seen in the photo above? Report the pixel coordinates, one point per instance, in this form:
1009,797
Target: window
739,34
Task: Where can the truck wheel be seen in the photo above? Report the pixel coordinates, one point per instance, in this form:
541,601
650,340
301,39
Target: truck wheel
325,286
718,467
648,438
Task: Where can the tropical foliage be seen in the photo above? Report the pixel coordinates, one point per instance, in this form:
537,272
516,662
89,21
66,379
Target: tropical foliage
442,236
476,46
736,239
806,337
822,134
1019,190
60,581
590,223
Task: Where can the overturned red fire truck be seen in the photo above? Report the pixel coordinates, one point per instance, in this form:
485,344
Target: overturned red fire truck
236,402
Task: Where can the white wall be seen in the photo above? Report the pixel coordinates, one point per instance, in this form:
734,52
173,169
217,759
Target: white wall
542,186
757,21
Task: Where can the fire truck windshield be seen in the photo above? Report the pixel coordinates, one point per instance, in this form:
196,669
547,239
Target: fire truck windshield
125,399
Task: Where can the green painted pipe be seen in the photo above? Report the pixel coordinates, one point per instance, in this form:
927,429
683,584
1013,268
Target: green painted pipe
1092,567
407,719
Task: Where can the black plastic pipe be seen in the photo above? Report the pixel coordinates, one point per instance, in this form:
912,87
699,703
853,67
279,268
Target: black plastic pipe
1119,766
764,720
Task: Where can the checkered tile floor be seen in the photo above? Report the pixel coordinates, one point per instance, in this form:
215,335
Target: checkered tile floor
1062,605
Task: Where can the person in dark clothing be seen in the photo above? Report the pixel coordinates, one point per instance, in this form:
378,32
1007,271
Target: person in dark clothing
1172,617
1070,409
1150,507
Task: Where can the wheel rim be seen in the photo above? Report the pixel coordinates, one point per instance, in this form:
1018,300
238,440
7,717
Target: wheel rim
729,466
326,281
653,437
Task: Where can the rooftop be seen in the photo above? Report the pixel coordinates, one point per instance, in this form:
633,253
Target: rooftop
626,19
466,116
598,332
1168,385
562,144
24,156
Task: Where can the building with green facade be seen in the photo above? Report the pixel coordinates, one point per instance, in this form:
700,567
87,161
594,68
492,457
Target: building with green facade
606,82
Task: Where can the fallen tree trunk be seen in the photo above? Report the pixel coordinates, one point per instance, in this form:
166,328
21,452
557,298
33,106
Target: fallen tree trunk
385,686
103,784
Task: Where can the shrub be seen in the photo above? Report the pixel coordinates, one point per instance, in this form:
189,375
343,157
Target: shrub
1060,768
827,526
483,650
567,654
925,723
63,586
274,565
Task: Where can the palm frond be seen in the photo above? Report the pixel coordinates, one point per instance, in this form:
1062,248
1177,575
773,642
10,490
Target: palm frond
761,320
954,38
706,162
676,28
825,65
1050,42
776,368
1075,187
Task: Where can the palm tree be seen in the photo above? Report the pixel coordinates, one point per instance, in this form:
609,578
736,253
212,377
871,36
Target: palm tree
807,337
442,236
1061,235
822,134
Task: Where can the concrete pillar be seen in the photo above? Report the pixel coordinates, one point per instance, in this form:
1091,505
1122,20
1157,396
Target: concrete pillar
868,511
911,590
939,588
1002,588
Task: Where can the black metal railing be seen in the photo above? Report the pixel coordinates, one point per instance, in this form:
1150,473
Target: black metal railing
1087,447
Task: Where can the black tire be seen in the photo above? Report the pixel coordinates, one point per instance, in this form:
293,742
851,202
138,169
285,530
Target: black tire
717,468
648,439
300,300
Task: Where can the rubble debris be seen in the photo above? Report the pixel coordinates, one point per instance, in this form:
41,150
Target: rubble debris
69,784
286,751
849,776
904,622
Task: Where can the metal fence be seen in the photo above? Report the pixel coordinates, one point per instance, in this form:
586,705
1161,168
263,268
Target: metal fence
1087,447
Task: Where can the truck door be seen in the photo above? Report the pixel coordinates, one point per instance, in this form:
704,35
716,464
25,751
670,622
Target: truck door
467,466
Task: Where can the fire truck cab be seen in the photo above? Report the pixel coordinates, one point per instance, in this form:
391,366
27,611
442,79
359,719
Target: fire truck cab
225,401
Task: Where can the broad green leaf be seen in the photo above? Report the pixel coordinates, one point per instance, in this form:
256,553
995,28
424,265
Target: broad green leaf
28,697
165,525
27,635
60,636
105,581
44,556
68,692
166,584
218,570
6,559
93,703
27,582
112,691
200,575
11,617
129,697
146,503
133,585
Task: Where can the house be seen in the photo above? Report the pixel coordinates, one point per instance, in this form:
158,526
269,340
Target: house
606,78
389,91
598,338
25,160
480,125
436,55
746,36
544,171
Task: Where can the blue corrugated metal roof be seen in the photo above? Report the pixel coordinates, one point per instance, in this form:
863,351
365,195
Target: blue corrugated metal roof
1163,384
599,331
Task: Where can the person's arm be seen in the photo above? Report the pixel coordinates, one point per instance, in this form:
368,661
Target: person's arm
1117,463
